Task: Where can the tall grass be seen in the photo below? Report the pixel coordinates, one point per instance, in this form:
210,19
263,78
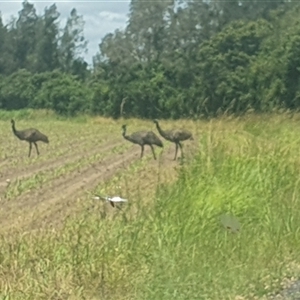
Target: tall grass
176,247
260,186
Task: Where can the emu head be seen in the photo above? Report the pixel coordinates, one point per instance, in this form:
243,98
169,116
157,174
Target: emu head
12,122
124,129
155,121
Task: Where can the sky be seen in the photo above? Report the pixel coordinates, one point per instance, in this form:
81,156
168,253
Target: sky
101,17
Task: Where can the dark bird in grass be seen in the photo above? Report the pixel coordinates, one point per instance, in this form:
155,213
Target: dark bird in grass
175,136
143,138
230,223
31,135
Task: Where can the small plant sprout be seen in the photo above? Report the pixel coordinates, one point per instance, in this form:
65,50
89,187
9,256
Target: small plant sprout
111,200
230,223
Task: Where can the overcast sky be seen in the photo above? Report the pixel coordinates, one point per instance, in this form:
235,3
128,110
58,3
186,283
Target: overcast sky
101,17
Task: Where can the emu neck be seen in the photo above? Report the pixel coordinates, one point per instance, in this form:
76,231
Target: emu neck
162,133
124,133
128,137
15,131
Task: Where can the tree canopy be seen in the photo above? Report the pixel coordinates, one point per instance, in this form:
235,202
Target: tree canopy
174,59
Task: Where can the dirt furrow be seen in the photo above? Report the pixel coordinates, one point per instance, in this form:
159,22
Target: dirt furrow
15,170
31,206
52,164
31,197
61,209
165,165
68,147
51,204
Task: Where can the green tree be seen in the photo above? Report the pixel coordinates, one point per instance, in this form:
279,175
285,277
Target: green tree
72,42
47,45
147,27
63,93
224,62
3,39
17,90
26,36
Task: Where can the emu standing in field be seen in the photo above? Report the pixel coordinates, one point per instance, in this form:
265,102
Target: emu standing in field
30,135
175,136
143,138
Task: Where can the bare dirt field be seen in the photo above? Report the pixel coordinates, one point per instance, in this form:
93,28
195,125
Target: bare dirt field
44,190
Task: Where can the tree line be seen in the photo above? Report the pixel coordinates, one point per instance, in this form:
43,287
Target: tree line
174,59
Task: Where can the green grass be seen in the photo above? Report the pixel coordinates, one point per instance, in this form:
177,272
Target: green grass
34,114
174,247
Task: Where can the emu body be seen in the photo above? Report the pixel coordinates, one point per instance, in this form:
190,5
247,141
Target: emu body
30,135
143,138
175,136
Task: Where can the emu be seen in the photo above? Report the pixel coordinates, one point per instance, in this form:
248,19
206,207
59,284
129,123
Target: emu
143,138
31,135
175,136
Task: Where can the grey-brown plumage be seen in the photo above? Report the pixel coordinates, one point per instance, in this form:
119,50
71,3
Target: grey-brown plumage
31,135
175,136
143,138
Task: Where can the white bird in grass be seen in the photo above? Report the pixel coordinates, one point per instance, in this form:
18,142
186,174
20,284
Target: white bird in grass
111,200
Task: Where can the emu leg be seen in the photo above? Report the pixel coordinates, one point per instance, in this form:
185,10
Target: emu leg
153,152
181,149
36,147
30,145
176,151
142,152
